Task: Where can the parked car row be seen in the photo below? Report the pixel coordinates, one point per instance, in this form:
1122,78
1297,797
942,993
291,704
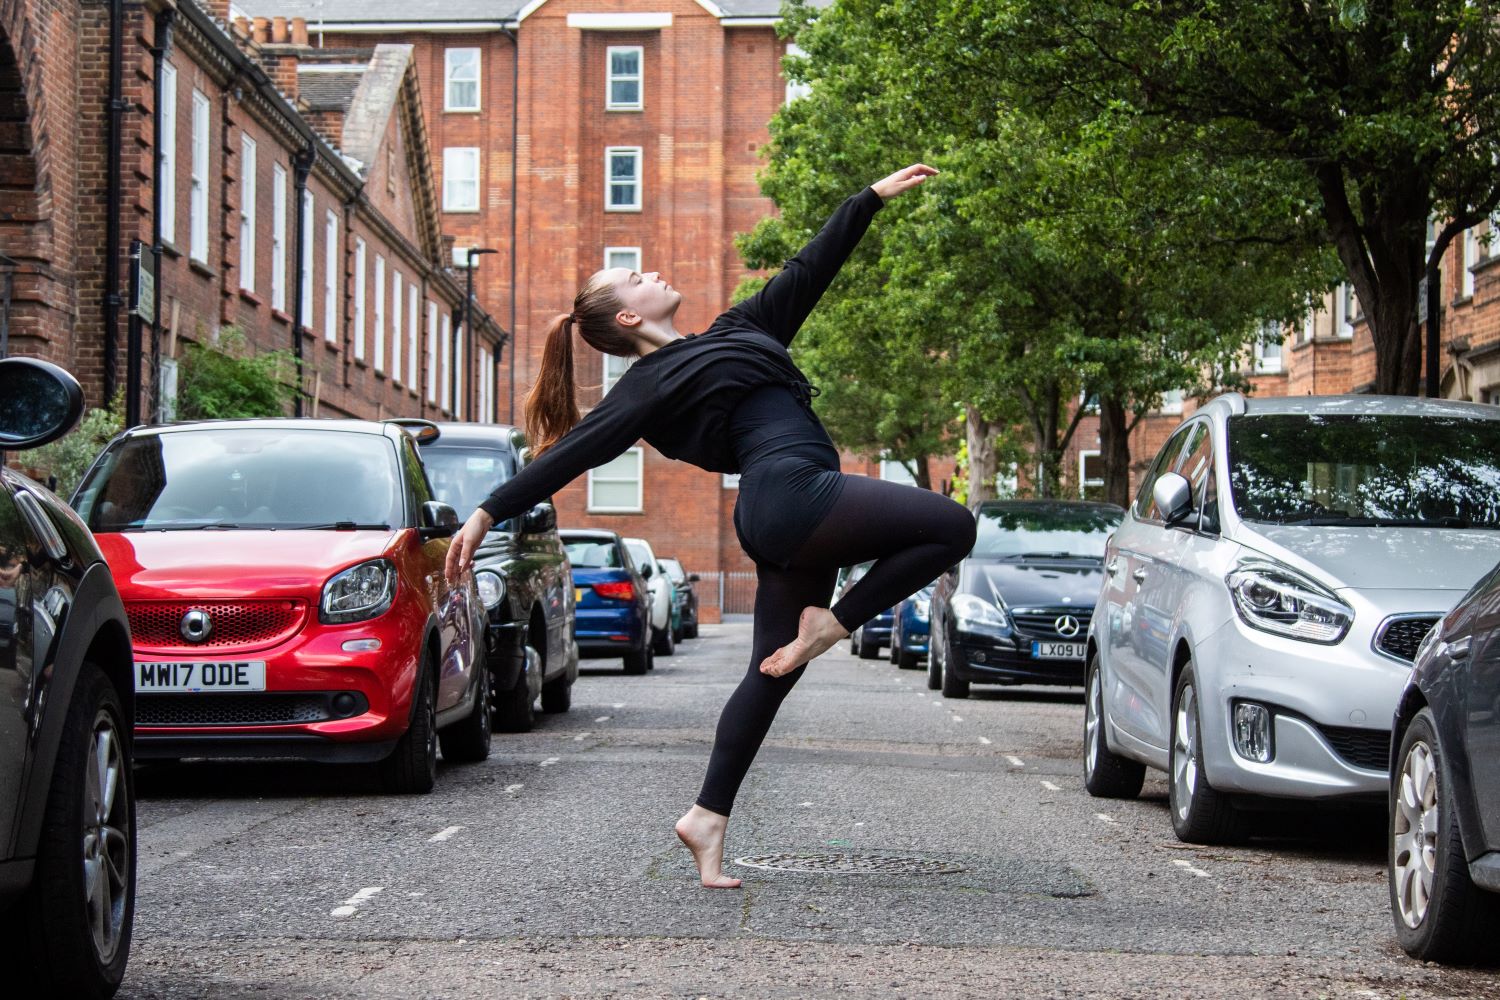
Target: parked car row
630,604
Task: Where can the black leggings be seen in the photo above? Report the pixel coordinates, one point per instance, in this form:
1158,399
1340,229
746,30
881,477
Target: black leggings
912,533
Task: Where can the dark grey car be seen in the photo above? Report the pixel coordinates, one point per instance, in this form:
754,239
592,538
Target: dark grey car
67,798
1444,857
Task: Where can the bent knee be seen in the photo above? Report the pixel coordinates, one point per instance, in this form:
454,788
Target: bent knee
959,529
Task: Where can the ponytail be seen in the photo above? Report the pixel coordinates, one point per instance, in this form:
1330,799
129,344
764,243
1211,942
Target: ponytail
551,406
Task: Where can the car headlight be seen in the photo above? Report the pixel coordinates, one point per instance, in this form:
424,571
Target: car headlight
1274,598
491,586
971,610
359,592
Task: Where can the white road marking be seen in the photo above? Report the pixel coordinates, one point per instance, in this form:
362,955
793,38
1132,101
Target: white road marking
354,902
938,704
443,835
602,718
548,762
580,736
513,789
1187,866
984,740
958,718
1104,819
1050,786
1014,760
859,824
804,803
618,704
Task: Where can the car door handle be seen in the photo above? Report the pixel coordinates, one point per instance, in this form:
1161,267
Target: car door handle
1139,575
1458,649
1113,567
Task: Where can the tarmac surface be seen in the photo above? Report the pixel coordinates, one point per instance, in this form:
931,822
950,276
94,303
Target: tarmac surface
893,843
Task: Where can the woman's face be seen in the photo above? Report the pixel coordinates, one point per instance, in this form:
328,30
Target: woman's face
647,295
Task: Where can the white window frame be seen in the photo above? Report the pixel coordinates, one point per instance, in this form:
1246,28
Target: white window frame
622,257
360,293
414,330
611,78
1270,364
482,390
308,245
168,152
1467,259
1171,401
794,90
730,480
379,346
1083,483
198,195
639,479
331,277
1345,309
278,237
458,380
396,331
452,157
448,79
892,471
639,182
432,332
445,353
615,369
247,213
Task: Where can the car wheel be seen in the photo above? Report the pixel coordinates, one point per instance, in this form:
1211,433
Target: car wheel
690,631
468,740
1440,915
638,661
662,642
934,667
557,695
1106,775
868,650
69,935
1200,815
513,709
953,687
411,769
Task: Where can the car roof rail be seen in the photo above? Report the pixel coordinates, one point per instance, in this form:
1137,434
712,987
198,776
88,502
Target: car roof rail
425,431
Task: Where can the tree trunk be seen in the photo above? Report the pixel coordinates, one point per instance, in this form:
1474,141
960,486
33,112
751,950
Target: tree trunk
980,435
924,471
1114,450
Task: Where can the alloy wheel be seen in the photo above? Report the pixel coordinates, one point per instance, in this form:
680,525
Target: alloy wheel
1093,711
1185,751
106,838
1415,833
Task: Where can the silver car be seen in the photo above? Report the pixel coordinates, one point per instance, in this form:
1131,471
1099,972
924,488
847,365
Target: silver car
1266,593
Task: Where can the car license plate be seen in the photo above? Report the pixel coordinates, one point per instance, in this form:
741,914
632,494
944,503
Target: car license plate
192,678
1057,650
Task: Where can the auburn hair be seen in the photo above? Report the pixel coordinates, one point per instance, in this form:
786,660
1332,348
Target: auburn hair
551,408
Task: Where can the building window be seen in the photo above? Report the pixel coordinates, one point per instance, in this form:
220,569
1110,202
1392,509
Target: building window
462,74
795,90
331,277
615,487
626,257
461,179
730,481
359,298
1008,481
166,394
396,283
445,347
413,317
379,313
625,84
622,179
1090,473
486,386
1268,349
168,162
460,388
1468,259
198,201
615,367
305,279
1345,310
278,237
432,352
247,213
896,472
1171,402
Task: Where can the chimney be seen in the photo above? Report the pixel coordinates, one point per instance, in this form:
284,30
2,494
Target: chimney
279,34
218,8
285,45
299,32
260,30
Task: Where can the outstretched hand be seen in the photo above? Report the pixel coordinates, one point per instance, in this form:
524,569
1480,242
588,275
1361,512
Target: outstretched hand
902,180
461,549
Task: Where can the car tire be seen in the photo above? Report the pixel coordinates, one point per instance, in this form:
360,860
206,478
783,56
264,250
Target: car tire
638,661
953,686
557,695
690,631
934,667
662,643
514,711
1200,814
1440,915
868,650
468,740
411,768
906,660
50,945
1106,775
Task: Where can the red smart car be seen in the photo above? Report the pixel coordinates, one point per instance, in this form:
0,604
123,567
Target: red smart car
284,585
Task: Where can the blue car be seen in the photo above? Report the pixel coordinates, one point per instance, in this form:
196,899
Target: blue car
612,606
909,630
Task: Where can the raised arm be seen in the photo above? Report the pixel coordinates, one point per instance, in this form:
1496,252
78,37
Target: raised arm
781,307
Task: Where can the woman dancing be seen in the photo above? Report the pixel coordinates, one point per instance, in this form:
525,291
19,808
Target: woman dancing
731,400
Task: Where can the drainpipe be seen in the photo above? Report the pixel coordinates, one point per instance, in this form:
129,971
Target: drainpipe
515,196
115,105
163,34
302,164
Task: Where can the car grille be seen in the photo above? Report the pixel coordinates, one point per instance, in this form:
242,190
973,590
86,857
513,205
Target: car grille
1042,622
156,625
239,709
1400,637
1366,748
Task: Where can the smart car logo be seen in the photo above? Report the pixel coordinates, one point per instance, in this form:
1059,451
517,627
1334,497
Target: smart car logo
1066,625
196,626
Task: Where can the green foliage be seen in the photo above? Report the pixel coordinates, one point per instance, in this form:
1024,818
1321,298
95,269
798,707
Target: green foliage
70,456
229,382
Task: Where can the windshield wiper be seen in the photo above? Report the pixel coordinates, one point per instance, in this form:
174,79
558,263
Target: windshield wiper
1348,521
211,526
337,526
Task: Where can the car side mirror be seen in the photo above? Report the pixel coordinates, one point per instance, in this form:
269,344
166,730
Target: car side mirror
693,578
646,571
1173,496
439,520
539,519
39,402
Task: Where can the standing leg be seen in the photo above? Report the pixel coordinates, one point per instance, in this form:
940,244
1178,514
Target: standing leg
912,534
780,596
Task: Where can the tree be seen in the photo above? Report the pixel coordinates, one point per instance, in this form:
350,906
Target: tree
1385,111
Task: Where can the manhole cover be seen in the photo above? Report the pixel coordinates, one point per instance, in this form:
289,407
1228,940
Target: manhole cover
850,864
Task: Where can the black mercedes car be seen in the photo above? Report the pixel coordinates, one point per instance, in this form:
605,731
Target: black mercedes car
67,797
1017,609
521,570
1443,862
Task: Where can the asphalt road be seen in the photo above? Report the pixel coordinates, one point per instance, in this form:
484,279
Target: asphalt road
551,869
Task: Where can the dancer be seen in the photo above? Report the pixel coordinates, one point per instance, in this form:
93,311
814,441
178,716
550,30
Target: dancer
731,400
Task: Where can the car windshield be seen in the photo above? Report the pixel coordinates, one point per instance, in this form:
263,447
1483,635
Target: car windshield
674,570
464,477
593,553
1036,531
250,478
638,554
1366,470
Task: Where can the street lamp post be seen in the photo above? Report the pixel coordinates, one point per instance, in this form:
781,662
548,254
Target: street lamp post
468,332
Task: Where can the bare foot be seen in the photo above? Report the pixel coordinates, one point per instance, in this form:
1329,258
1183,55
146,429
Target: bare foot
703,833
817,631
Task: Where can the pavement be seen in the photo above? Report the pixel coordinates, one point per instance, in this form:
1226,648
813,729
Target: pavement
551,870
